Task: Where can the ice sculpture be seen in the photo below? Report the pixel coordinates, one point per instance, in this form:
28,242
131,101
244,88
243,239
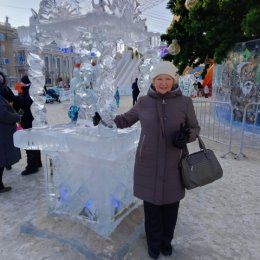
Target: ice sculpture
186,85
97,27
73,83
88,169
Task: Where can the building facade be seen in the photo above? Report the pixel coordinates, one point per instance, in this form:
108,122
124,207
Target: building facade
7,36
59,62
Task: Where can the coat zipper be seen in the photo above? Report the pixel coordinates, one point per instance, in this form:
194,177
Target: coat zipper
163,116
163,102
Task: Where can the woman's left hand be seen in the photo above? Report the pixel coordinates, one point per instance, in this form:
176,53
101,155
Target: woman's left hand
182,137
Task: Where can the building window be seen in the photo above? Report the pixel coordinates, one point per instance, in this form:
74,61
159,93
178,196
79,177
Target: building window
2,50
64,64
58,66
20,57
46,63
2,37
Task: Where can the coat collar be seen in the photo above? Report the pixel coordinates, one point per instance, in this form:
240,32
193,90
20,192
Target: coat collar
173,93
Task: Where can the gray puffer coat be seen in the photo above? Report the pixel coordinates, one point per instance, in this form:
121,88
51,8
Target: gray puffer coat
157,176
8,118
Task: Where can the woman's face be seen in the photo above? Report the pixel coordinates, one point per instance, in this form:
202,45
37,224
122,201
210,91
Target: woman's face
163,83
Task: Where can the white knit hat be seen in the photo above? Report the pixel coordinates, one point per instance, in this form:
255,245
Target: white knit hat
164,67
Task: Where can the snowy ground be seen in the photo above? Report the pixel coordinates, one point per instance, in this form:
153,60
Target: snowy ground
220,221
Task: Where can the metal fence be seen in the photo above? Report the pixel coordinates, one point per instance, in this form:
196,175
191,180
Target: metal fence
217,123
250,132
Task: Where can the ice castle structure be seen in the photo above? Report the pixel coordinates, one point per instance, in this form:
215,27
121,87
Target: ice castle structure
88,170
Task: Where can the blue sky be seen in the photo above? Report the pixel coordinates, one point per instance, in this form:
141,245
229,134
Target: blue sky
19,11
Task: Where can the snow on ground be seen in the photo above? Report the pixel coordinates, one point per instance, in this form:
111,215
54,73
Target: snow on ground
220,221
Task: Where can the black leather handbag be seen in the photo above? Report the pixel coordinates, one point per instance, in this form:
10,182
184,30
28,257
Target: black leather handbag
200,168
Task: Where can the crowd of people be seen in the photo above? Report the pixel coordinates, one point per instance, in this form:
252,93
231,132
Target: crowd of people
15,109
15,113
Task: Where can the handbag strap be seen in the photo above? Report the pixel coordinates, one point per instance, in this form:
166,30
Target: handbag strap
201,145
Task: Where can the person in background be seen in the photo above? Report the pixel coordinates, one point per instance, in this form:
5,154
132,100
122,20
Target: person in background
206,91
9,154
5,91
8,94
24,103
52,93
135,91
195,85
200,89
168,122
60,83
18,88
117,97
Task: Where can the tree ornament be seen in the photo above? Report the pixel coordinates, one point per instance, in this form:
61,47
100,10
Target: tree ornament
190,3
93,62
174,47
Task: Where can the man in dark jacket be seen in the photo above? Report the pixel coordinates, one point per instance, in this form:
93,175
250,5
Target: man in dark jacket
24,103
9,154
135,91
8,94
5,91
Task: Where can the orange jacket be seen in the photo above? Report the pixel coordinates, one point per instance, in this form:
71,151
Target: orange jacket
18,87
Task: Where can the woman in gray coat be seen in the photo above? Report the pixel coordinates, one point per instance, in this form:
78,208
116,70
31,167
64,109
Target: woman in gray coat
8,153
168,122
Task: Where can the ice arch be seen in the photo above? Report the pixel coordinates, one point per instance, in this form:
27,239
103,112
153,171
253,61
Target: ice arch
87,26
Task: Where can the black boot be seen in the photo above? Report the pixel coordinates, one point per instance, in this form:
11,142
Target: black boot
33,161
166,250
5,189
154,254
37,154
29,171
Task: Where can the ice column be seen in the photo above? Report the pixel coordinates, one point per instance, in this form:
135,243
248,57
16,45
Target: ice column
37,79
